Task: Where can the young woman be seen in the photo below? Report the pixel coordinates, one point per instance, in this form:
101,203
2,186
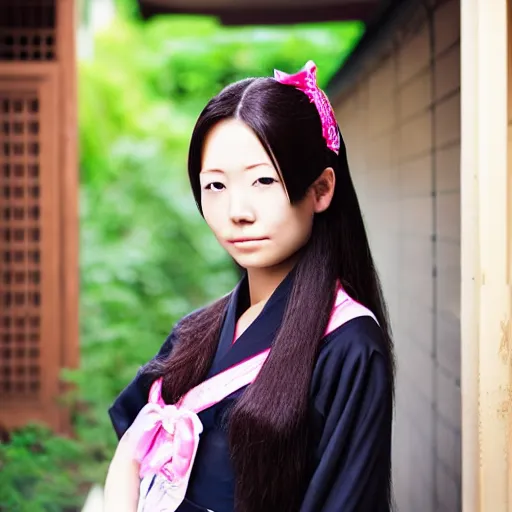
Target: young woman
277,397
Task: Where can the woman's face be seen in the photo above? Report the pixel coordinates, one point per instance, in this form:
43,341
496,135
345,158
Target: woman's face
244,200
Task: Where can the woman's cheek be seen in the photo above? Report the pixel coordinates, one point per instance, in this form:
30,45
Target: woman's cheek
211,215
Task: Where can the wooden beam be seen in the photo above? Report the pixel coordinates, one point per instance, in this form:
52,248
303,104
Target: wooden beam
270,16
486,301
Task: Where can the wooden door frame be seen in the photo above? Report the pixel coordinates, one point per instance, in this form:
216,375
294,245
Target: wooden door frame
486,235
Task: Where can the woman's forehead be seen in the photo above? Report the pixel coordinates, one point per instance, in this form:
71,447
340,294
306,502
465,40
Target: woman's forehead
232,144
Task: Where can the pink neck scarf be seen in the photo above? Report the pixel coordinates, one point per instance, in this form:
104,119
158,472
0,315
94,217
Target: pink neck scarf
169,435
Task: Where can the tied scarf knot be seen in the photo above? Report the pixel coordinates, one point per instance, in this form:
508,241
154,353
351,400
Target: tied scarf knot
168,440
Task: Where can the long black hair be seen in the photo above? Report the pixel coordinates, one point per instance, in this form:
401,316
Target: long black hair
268,426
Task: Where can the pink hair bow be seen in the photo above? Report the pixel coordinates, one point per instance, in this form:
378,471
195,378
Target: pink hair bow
305,81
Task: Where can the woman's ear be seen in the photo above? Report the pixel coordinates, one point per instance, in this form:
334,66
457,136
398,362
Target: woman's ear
323,190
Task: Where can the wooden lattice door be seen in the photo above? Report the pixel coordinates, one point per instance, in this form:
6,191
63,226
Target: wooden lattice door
38,294
29,244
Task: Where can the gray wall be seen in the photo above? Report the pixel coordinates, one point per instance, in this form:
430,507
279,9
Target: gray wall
401,123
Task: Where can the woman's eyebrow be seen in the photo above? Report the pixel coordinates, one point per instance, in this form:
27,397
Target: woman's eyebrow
203,171
247,168
252,166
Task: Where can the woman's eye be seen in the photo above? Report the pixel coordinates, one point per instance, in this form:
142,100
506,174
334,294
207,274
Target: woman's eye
266,181
216,186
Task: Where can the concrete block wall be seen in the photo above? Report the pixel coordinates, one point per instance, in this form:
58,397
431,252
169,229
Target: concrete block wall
401,124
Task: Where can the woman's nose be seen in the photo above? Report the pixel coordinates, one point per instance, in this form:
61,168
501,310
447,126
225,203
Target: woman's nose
240,210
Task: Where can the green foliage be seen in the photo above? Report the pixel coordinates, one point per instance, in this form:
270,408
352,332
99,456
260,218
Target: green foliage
39,472
147,257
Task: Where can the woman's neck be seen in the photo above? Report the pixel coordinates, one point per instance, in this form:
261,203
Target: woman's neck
264,281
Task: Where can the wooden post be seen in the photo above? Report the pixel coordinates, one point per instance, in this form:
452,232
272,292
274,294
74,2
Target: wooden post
69,184
470,259
486,315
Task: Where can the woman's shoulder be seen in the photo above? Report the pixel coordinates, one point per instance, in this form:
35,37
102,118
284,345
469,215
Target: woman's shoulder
353,358
359,336
356,346
134,396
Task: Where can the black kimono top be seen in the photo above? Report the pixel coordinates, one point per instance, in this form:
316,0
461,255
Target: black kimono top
351,403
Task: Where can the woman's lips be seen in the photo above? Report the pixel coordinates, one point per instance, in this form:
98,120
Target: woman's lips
246,242
243,240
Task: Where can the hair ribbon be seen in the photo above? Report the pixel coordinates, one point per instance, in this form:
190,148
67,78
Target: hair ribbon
305,81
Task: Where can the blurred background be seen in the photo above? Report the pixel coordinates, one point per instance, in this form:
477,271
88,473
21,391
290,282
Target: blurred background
146,258
102,248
